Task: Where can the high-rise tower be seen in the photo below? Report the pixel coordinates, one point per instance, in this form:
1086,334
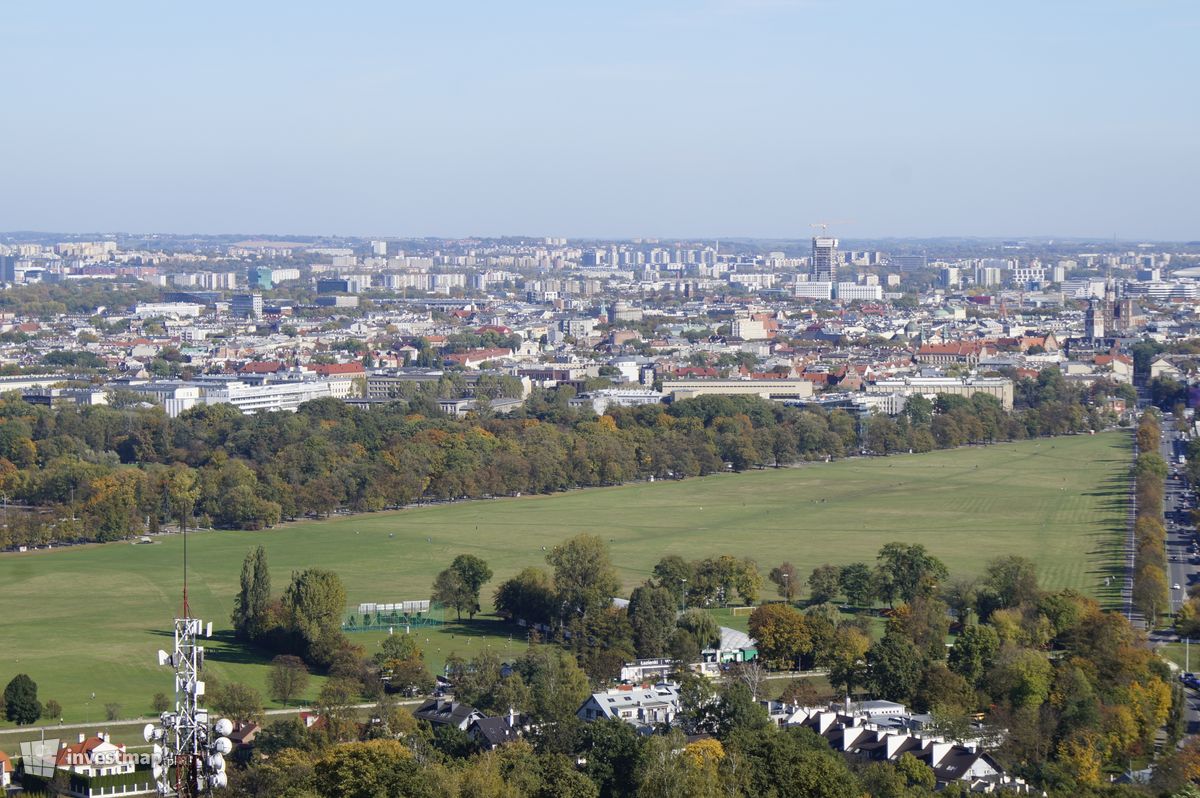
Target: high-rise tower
824,259
1093,321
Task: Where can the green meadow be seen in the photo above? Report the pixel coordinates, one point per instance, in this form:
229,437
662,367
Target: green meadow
88,620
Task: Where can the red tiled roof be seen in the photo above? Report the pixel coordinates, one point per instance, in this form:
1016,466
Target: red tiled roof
79,752
330,369
264,367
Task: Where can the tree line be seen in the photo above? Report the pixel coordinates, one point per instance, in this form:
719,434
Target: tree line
1150,535
106,473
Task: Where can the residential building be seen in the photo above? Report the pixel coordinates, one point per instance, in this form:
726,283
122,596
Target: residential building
750,329
642,707
447,712
491,733
882,731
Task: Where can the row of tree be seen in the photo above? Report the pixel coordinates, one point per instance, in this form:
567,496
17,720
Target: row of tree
108,472
1150,536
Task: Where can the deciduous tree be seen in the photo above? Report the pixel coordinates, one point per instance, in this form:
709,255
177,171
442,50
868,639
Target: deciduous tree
781,633
287,678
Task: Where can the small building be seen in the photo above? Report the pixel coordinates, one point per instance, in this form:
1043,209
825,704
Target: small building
94,756
735,646
643,670
6,771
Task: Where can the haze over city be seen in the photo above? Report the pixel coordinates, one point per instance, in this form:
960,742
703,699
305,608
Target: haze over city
741,398
719,118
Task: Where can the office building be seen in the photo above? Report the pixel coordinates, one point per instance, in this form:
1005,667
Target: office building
246,305
930,387
259,278
812,290
824,259
848,292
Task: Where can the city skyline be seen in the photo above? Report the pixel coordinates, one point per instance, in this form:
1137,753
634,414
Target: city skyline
720,119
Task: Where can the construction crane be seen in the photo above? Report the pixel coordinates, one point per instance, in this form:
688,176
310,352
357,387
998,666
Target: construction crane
826,225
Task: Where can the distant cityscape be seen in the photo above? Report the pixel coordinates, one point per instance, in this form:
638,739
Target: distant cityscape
268,325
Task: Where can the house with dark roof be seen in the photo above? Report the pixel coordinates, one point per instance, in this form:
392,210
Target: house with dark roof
447,712
489,733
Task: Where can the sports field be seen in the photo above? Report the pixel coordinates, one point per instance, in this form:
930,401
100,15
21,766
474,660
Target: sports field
89,619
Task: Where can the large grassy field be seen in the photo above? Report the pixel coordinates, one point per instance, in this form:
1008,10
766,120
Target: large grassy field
89,619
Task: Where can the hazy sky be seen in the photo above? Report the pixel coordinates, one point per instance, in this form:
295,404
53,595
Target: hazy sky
603,118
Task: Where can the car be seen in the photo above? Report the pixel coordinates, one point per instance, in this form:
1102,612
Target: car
1175,586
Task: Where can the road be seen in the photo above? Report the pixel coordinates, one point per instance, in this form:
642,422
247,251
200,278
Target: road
1183,561
1183,554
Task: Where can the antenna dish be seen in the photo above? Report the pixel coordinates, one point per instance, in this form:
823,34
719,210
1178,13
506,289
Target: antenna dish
223,745
223,727
148,732
164,658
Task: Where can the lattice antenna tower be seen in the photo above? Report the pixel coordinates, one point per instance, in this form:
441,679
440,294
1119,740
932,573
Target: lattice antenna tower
188,754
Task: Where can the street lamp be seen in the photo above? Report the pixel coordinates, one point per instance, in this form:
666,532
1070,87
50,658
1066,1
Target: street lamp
683,591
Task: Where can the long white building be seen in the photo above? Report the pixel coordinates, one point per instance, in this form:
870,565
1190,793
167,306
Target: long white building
177,396
999,387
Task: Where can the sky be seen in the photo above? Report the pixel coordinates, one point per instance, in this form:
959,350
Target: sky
712,118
